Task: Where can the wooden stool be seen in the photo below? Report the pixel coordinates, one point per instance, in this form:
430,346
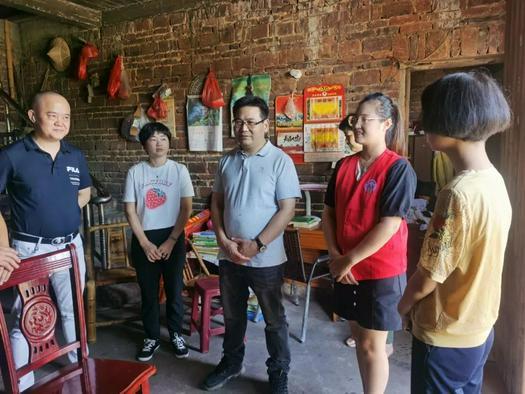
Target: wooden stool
205,290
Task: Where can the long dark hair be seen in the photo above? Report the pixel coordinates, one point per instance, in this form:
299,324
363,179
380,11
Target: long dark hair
395,138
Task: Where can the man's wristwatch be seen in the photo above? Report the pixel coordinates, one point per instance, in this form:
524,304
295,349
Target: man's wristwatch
260,245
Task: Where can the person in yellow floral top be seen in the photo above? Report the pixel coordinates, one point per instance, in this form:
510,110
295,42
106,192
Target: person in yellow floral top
453,298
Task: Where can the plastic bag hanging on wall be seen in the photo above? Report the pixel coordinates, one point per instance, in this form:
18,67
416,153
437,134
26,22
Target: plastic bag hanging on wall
88,52
211,92
124,90
114,78
158,110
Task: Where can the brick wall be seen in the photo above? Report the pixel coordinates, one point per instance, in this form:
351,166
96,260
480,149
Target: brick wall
358,43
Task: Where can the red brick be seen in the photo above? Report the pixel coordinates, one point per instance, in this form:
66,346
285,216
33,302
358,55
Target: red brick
260,31
283,29
435,40
422,6
377,44
496,38
266,60
415,27
403,20
162,20
469,41
367,77
484,11
400,47
395,9
349,49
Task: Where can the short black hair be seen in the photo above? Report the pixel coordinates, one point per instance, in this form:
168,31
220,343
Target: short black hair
468,106
251,101
151,128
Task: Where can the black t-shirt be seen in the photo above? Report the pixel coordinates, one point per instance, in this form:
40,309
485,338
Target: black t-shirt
398,191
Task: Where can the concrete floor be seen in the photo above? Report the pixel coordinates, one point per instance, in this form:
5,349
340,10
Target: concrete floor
322,365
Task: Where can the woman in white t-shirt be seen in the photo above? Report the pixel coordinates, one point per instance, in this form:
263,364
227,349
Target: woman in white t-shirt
158,202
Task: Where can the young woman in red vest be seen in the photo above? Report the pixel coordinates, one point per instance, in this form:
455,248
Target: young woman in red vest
367,200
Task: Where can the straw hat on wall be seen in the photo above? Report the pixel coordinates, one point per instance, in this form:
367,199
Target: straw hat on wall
59,54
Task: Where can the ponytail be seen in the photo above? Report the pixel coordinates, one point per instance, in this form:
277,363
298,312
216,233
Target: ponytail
395,137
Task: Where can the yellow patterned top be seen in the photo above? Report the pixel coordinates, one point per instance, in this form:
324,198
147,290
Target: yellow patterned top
463,251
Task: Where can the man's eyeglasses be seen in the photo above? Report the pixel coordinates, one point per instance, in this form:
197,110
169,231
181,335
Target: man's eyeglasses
238,124
353,119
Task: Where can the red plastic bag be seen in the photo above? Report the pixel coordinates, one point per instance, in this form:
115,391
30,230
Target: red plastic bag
211,92
88,52
158,110
114,78
125,88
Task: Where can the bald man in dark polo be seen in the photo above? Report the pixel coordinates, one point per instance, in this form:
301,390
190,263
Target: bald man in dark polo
48,183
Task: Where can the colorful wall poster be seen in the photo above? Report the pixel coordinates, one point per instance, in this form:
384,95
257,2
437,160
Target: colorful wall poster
261,85
324,107
289,126
204,126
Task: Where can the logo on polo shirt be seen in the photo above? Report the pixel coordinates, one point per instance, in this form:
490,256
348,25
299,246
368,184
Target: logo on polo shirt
73,173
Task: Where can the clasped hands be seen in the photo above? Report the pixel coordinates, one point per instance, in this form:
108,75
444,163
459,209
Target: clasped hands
240,251
154,253
340,268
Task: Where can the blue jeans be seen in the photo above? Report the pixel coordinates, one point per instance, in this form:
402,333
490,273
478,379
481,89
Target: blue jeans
266,283
448,370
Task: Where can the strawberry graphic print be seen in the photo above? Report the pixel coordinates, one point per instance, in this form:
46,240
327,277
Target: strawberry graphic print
155,198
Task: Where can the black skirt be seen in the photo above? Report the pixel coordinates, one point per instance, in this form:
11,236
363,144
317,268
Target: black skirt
372,303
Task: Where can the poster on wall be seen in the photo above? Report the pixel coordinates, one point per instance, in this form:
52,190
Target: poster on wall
323,110
204,126
259,85
289,126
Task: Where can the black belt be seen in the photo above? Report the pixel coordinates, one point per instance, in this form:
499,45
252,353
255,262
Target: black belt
43,240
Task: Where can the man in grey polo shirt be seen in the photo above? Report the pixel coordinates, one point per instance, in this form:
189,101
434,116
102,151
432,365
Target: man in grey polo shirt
253,201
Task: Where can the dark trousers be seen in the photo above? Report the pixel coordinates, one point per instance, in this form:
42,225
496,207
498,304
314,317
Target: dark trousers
448,370
266,283
148,277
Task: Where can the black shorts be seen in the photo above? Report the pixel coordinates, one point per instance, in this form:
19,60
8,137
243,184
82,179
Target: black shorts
372,303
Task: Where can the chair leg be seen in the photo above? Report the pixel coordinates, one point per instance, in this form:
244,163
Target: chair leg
91,291
205,324
194,326
144,388
305,313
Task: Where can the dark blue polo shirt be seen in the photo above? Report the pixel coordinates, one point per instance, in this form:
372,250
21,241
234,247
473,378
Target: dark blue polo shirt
43,193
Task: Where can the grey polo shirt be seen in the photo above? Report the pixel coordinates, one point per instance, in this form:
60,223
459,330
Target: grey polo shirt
252,187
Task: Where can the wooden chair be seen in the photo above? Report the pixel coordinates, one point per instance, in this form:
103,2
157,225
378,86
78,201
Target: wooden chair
117,270
37,323
297,270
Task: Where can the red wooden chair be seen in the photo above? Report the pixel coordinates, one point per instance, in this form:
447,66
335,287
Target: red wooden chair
37,323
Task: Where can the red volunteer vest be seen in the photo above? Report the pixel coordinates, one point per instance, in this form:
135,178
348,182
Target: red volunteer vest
357,212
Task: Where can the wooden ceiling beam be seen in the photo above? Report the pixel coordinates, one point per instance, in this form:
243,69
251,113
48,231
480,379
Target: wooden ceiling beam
61,10
147,9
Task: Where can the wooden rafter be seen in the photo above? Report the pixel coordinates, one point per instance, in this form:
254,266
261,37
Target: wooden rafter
147,9
62,10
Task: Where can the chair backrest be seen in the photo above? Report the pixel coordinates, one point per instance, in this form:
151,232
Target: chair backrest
294,268
114,247
194,268
39,314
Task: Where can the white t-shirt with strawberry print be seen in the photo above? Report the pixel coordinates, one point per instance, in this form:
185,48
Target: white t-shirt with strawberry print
157,192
